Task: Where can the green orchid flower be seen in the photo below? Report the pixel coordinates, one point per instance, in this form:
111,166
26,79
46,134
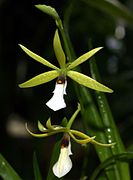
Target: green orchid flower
54,129
64,163
66,69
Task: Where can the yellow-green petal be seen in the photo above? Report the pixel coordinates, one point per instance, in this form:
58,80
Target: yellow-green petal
41,127
102,144
58,50
40,79
83,58
88,82
81,141
49,125
38,58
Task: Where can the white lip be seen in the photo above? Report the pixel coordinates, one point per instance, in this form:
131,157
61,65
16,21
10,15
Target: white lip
57,101
64,163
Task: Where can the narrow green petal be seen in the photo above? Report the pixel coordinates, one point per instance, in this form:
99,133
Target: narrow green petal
88,82
81,141
44,134
102,144
41,127
38,58
83,58
58,50
49,125
40,79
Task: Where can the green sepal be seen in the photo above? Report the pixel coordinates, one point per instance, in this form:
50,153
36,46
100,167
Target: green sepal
40,79
61,130
88,82
38,58
83,58
48,124
41,127
81,141
58,50
48,10
101,144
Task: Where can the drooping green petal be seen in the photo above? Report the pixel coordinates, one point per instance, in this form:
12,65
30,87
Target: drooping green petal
81,141
88,82
58,50
62,130
40,79
83,58
38,58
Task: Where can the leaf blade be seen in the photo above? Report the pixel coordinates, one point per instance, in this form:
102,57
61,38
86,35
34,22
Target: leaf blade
37,173
112,132
40,79
83,58
88,82
37,57
113,8
6,170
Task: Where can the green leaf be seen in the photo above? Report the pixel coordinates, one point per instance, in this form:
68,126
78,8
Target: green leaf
111,131
128,156
38,58
37,173
88,82
48,10
83,58
94,125
40,79
6,171
113,8
58,50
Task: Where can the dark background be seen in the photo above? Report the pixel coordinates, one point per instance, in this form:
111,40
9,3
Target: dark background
22,23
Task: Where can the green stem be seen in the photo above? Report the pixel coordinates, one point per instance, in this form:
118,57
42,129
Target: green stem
73,117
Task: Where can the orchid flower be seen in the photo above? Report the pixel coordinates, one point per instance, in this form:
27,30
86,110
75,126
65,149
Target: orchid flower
64,164
57,101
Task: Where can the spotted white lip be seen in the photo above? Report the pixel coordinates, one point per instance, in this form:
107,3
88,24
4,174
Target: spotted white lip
57,101
64,163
